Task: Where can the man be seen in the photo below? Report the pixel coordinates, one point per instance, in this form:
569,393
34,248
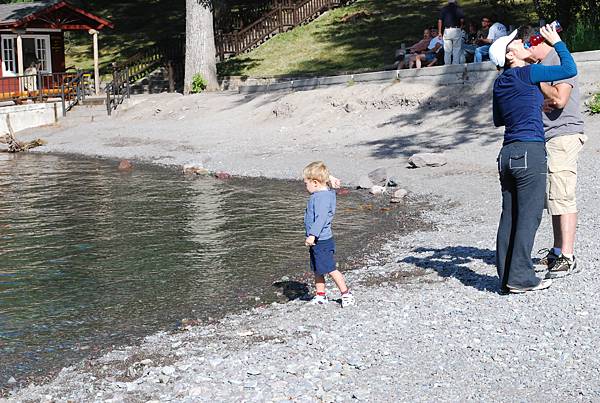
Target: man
496,30
430,55
563,127
452,19
418,47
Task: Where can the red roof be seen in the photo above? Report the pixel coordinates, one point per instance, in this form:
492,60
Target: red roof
58,14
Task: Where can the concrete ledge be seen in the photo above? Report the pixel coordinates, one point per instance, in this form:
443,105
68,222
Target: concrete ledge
591,56
28,116
588,62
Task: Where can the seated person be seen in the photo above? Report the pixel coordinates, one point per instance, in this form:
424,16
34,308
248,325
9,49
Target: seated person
418,47
496,30
431,55
470,38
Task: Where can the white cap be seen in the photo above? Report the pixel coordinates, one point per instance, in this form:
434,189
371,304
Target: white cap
451,1
498,49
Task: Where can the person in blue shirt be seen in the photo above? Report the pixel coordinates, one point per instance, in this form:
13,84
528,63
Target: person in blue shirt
318,217
517,105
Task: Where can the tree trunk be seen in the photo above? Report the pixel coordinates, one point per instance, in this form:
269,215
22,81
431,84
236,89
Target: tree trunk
200,51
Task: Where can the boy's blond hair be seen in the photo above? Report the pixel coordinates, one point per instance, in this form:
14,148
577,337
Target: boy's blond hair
317,171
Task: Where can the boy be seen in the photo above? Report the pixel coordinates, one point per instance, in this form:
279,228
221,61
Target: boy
319,237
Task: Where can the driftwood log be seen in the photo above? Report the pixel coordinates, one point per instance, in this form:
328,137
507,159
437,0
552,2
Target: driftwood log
15,146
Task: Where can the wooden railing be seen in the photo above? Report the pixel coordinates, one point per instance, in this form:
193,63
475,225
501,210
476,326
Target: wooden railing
68,88
284,15
169,56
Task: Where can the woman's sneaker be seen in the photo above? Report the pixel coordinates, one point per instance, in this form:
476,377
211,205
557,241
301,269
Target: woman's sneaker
348,300
563,266
542,285
319,300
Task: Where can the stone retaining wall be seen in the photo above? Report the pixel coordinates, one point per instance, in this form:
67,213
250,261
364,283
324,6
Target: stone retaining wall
588,64
27,116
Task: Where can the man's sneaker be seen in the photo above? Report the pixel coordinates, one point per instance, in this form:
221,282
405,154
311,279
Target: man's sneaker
348,300
542,285
563,266
319,300
547,260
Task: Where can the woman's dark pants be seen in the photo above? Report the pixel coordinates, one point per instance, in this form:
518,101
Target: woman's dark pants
522,167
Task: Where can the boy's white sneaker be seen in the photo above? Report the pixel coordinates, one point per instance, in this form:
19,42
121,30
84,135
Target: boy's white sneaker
348,300
319,300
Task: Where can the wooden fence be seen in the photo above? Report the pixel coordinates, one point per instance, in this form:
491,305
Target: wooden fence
284,15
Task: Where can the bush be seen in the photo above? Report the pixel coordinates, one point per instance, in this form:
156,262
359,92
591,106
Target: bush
198,84
582,37
594,104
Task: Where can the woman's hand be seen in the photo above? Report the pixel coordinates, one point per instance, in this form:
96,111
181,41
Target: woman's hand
549,33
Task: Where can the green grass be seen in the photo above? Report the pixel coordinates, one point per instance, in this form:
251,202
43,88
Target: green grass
325,46
138,25
594,104
329,45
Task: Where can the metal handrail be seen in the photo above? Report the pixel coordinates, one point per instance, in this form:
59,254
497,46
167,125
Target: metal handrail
40,87
118,89
75,83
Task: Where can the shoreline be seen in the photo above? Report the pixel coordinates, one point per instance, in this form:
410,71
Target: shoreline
450,336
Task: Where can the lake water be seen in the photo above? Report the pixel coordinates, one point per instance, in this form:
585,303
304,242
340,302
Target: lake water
91,257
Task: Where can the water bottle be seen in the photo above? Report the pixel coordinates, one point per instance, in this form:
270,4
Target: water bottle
537,38
556,25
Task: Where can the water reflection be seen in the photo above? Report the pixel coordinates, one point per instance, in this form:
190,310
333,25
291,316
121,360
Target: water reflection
91,257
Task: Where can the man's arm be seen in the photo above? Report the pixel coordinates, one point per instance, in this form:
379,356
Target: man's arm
557,95
440,32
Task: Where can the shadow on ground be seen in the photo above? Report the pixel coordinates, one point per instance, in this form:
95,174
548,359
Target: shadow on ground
471,121
453,261
293,290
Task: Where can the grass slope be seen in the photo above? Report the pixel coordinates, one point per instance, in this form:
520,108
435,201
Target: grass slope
330,45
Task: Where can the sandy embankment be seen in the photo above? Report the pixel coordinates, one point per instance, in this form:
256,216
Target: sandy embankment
448,337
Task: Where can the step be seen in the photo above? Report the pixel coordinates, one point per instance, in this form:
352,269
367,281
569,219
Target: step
94,100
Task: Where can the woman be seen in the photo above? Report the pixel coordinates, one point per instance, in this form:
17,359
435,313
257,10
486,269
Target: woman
518,103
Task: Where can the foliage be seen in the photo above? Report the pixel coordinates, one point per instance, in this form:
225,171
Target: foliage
582,37
568,12
198,84
594,104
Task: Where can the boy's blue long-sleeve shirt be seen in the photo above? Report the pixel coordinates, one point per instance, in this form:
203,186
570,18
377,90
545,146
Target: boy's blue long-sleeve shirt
319,214
518,100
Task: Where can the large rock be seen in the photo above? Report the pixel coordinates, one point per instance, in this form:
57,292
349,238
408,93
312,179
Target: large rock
377,190
398,196
427,160
125,165
365,183
194,169
378,177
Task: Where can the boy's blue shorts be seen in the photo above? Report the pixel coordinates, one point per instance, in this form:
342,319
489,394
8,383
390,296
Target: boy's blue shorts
322,256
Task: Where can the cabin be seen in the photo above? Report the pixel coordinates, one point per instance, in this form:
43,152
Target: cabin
32,45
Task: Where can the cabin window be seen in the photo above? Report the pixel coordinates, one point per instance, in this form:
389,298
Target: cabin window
8,54
36,52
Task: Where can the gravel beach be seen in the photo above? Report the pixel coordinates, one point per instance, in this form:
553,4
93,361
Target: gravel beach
430,324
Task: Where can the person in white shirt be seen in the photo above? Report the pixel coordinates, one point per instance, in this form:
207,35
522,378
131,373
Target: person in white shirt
496,30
